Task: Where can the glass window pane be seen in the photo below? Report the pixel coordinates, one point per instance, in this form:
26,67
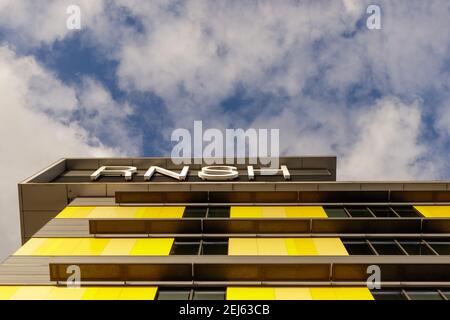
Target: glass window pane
359,212
406,212
195,212
209,294
388,295
386,248
220,248
358,248
424,295
185,248
441,247
173,294
335,212
416,248
219,212
383,212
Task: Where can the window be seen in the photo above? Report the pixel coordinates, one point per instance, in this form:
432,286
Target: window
195,212
206,212
173,294
355,247
383,212
359,212
406,212
185,247
442,247
409,294
388,295
200,247
387,247
416,247
218,212
372,211
336,212
191,294
412,247
424,295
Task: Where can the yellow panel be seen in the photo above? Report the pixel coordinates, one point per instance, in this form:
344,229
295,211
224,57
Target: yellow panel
102,293
273,212
6,292
271,247
278,212
301,246
242,247
330,247
75,212
90,247
245,212
148,212
171,212
119,247
292,294
148,247
30,247
327,293
250,293
65,293
138,293
82,293
305,212
353,293
113,212
32,293
434,211
58,247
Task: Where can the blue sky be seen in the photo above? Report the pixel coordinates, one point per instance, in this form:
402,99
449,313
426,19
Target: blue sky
137,70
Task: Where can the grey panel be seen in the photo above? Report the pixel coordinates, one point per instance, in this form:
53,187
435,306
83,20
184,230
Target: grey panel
43,197
86,190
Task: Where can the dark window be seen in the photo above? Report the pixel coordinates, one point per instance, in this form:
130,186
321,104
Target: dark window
358,247
406,212
416,247
185,247
219,212
441,247
336,212
209,294
195,212
359,212
199,247
386,248
383,212
191,294
214,248
424,295
388,295
173,294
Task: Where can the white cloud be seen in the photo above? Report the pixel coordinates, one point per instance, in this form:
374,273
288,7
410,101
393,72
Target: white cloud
388,145
32,139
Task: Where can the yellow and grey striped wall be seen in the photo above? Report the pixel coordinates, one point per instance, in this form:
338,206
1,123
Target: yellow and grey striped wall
129,246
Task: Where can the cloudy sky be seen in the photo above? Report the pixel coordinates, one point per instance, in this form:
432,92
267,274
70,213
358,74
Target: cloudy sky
378,99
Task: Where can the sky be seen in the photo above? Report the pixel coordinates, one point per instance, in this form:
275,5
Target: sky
136,70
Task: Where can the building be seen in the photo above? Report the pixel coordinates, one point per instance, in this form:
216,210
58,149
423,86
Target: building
146,229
